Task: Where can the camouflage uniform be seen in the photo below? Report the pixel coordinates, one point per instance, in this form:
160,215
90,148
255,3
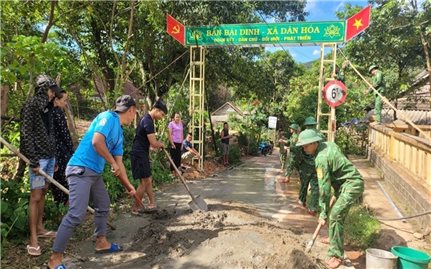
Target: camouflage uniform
336,171
283,153
304,163
378,84
339,75
293,139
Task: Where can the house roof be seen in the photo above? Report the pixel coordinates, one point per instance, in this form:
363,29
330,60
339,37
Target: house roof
227,108
416,116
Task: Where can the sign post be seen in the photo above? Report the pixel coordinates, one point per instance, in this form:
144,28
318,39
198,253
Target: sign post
258,34
272,124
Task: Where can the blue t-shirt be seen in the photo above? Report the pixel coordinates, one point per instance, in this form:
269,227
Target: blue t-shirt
186,145
108,124
141,144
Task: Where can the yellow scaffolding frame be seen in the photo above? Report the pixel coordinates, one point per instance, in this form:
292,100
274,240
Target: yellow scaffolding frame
197,100
331,127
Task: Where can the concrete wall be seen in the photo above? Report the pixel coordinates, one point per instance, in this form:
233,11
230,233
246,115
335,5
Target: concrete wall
409,196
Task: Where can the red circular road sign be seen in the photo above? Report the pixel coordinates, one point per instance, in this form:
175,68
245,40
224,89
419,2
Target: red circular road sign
334,93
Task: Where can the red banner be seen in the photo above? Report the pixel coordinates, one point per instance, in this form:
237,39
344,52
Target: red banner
175,29
358,23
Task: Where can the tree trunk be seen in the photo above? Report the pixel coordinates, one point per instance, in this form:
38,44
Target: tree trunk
50,22
425,45
211,124
20,171
126,47
4,90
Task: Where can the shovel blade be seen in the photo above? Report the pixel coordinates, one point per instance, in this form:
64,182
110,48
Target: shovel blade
309,245
198,204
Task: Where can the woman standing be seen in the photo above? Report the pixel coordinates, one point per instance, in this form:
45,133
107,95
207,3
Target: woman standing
64,146
176,138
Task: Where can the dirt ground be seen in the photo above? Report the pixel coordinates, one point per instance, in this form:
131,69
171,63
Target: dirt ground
229,235
253,221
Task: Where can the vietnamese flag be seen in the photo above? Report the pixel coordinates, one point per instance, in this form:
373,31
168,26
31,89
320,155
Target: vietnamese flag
358,23
175,29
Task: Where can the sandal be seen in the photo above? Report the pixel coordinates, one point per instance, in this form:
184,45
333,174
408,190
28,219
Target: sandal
311,212
48,234
60,266
325,240
34,251
137,213
150,210
114,248
334,262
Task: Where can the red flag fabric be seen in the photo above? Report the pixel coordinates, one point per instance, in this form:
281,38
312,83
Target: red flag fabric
358,23
175,29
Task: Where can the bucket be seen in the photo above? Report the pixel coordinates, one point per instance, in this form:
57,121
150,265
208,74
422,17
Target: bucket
380,259
410,258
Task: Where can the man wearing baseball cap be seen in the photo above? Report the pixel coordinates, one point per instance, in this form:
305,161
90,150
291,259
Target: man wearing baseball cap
103,142
333,170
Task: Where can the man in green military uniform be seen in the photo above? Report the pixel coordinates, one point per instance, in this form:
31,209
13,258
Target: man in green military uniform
304,164
283,152
340,72
310,123
294,130
333,170
378,82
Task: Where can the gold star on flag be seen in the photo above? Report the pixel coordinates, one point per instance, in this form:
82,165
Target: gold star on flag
358,23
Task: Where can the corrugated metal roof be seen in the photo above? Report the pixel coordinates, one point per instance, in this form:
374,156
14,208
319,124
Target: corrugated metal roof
418,117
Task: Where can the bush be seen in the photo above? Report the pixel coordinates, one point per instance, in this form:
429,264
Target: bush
352,140
234,154
360,228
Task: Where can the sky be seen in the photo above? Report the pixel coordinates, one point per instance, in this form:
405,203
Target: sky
319,10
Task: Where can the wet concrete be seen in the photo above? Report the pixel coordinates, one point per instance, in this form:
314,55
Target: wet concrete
256,182
253,221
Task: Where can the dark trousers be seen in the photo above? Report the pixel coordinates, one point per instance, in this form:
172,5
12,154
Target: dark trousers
176,155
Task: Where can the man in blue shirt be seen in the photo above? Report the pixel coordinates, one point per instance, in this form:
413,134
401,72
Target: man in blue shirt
103,142
141,169
188,151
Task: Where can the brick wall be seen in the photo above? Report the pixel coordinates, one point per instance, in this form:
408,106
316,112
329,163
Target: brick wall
407,194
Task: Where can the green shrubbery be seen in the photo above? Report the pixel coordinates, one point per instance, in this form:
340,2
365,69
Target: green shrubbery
360,228
352,140
15,193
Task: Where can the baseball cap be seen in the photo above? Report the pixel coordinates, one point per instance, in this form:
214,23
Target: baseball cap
159,104
124,102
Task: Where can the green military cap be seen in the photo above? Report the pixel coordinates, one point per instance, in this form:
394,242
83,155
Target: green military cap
307,137
294,126
310,121
371,68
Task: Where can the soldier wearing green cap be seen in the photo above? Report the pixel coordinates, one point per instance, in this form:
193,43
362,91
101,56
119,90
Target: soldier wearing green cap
310,123
378,82
283,152
304,164
294,130
333,170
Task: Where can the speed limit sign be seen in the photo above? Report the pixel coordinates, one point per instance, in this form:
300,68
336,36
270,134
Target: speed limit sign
334,93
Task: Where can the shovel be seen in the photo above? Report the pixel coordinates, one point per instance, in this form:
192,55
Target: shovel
197,203
310,242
